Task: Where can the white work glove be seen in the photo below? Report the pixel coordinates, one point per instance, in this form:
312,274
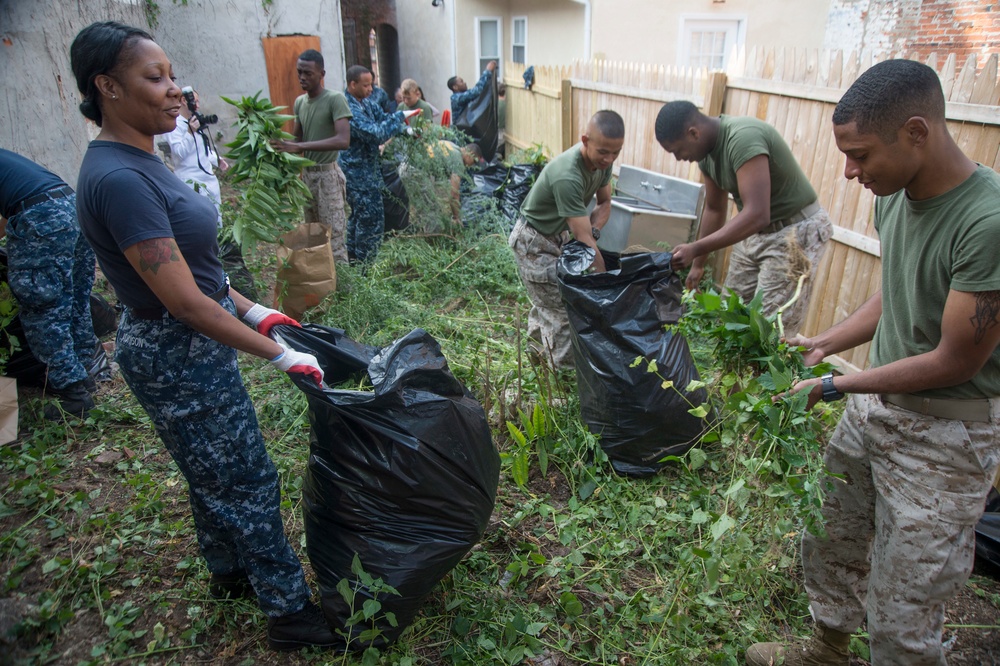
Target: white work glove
298,363
264,319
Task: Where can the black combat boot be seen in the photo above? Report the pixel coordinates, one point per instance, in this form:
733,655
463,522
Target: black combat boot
73,400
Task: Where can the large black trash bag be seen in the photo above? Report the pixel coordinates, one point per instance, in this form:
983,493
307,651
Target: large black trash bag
480,192
615,317
395,201
479,119
520,178
988,535
404,475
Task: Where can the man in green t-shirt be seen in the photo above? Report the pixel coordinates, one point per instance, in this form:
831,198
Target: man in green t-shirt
555,207
780,231
916,450
322,129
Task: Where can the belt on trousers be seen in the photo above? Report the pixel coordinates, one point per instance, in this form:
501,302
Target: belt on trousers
152,314
321,167
942,408
803,214
53,194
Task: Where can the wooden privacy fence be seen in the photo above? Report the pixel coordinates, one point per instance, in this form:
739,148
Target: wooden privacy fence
795,90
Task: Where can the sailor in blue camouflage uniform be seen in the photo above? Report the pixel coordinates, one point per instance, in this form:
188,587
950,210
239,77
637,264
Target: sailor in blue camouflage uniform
155,239
361,164
50,272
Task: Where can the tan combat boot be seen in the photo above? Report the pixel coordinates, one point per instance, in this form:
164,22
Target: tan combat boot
825,647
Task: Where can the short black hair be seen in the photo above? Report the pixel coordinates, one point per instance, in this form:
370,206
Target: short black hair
355,72
610,124
100,48
451,83
674,119
887,95
312,55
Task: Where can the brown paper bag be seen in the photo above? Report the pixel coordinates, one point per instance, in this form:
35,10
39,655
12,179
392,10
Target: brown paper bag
306,271
8,410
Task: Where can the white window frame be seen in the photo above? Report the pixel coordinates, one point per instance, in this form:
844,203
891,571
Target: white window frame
479,51
684,43
513,36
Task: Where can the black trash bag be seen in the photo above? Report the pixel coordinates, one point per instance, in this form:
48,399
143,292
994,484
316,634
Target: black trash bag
394,199
103,314
520,178
480,192
479,120
988,534
404,476
235,267
615,317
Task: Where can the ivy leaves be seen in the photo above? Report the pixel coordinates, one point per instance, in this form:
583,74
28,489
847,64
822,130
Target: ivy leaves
272,202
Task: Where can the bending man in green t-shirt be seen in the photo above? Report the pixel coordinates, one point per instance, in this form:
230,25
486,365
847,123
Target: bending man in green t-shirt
780,231
555,207
322,129
916,450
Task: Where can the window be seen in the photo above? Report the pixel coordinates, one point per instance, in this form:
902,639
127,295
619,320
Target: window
707,42
489,40
519,41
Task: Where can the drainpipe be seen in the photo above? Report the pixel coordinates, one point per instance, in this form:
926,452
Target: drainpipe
454,40
587,21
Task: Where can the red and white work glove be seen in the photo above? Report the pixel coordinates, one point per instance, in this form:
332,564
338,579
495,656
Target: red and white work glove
407,115
299,363
264,319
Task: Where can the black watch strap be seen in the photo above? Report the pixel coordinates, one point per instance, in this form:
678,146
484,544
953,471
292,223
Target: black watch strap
830,392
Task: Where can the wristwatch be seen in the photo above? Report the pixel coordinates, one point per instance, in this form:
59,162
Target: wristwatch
596,233
830,392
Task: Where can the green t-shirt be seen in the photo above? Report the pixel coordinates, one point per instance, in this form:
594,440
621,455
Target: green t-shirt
428,112
563,189
317,118
928,248
740,140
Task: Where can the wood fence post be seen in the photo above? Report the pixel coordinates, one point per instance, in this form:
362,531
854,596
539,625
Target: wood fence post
715,94
567,115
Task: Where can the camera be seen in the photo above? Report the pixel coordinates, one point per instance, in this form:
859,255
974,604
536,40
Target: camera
192,105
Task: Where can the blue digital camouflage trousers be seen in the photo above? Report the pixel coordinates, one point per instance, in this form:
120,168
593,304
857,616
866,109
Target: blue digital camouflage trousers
190,386
366,224
900,524
50,269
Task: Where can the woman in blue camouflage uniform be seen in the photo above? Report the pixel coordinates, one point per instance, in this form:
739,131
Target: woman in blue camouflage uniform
155,239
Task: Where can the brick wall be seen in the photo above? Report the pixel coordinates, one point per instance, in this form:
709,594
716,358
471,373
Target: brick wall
953,26
915,28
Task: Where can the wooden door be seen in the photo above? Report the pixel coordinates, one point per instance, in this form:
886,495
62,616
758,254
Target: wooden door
280,55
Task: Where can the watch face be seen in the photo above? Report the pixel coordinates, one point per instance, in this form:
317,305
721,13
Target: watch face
596,233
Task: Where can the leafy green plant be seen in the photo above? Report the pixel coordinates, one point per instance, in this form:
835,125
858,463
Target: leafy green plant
8,311
534,435
363,628
271,204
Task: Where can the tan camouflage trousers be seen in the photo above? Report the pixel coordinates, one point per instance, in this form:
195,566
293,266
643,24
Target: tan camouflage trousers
548,325
328,187
772,263
900,525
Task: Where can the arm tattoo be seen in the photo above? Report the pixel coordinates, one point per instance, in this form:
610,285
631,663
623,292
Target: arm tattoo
156,252
987,312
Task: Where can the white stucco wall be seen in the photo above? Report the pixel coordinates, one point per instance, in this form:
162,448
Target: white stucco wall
39,113
213,44
555,31
216,47
644,31
426,51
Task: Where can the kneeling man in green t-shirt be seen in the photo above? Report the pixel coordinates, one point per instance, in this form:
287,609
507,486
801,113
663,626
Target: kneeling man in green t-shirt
555,207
